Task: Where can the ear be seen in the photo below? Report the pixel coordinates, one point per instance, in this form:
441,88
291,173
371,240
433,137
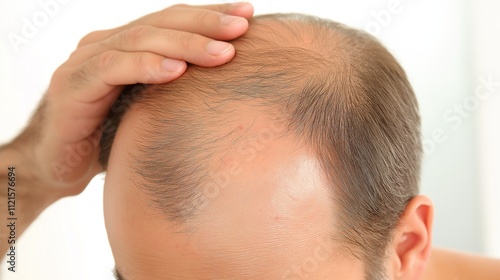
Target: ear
411,247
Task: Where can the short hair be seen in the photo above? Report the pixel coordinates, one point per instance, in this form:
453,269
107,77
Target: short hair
336,88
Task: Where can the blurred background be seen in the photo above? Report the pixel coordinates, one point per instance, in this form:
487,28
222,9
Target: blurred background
450,50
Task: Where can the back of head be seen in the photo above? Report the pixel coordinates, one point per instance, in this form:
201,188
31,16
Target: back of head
334,88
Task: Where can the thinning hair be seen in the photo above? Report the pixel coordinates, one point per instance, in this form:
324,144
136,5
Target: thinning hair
336,88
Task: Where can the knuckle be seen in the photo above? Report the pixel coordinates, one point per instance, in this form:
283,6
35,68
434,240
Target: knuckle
222,8
91,37
206,18
78,76
134,34
74,54
105,60
166,14
187,41
140,61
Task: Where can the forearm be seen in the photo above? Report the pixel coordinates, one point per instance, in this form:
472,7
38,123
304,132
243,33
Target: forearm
22,199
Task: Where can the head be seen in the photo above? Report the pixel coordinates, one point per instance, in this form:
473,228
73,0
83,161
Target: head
299,159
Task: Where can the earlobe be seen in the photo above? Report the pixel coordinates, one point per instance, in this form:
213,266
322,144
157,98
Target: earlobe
412,240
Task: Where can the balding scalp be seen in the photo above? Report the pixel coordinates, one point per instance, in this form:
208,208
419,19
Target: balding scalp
336,88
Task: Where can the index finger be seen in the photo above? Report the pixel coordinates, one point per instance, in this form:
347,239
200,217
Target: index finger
240,9
161,19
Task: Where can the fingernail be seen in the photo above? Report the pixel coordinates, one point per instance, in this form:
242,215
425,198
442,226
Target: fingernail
228,20
218,48
171,65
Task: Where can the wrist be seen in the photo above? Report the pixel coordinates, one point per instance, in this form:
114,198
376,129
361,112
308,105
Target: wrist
22,159
20,192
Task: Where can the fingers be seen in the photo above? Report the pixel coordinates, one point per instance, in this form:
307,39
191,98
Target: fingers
209,20
180,32
221,22
154,49
112,68
211,24
121,68
241,9
149,49
180,45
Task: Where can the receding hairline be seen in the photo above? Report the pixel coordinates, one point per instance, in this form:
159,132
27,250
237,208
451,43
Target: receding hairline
268,27
356,103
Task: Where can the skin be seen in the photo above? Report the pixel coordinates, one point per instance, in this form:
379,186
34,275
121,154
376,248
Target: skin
81,92
270,216
264,220
83,89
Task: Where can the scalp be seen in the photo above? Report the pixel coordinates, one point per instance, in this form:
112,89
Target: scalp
334,88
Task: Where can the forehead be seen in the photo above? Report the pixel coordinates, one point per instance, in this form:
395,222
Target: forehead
274,208
264,208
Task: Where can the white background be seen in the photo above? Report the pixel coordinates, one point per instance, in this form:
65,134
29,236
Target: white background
446,47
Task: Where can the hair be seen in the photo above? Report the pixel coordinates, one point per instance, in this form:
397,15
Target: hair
336,88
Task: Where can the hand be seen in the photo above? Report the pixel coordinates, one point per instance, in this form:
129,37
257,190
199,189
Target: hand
61,142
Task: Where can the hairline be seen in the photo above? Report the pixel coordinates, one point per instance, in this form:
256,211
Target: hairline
306,128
